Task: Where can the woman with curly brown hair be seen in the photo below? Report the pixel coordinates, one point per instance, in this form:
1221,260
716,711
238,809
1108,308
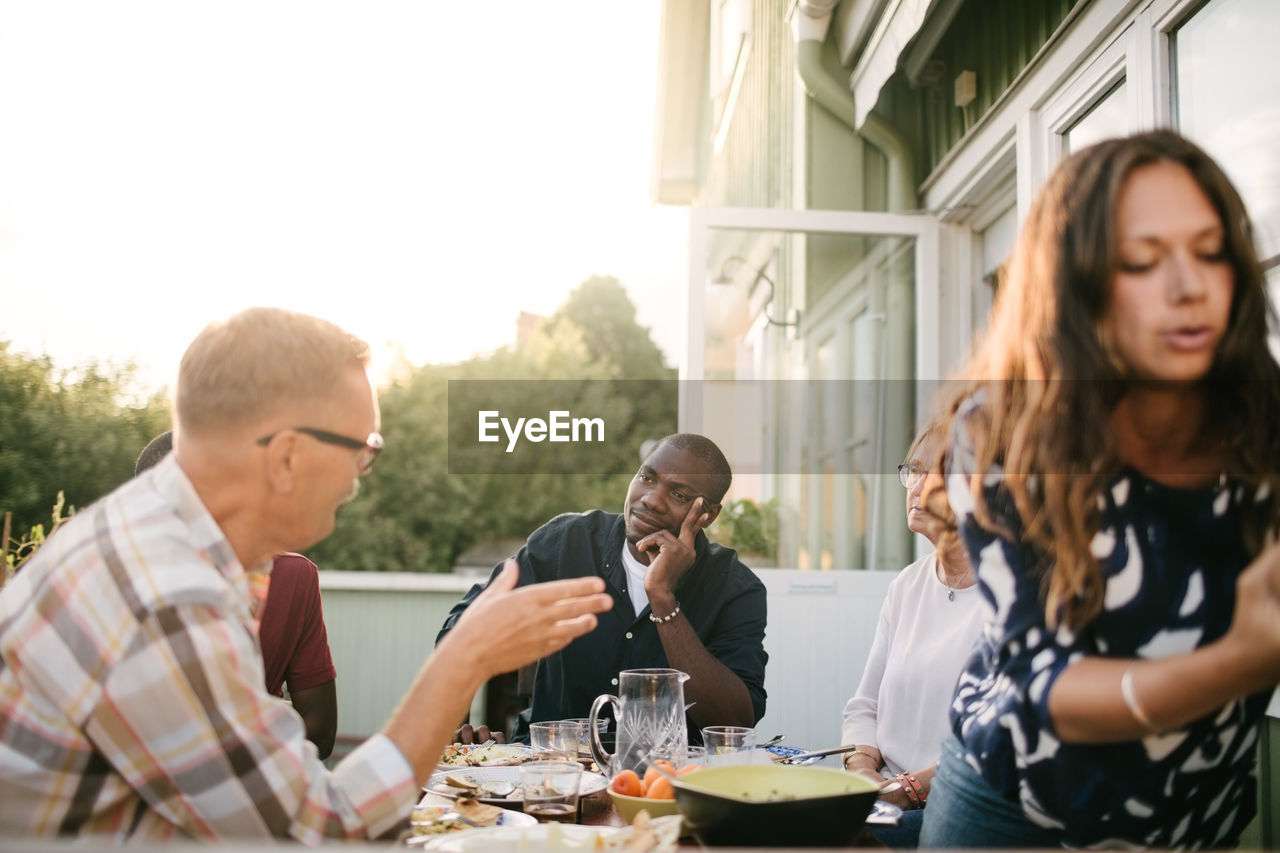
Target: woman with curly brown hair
1113,469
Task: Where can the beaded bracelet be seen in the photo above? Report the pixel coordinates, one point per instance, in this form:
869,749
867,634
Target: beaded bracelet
662,620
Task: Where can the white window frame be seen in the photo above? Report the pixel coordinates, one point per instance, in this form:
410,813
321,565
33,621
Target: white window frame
1107,41
1094,80
923,229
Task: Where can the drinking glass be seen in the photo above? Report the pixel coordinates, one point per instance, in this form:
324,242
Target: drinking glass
555,740
551,790
584,733
684,757
729,744
693,755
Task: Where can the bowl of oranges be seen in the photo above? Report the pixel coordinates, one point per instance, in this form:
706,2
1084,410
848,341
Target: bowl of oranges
652,792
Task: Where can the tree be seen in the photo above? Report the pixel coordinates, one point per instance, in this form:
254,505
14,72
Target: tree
67,430
420,508
600,310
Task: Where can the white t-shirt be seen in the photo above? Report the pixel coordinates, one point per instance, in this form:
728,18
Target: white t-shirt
922,642
635,579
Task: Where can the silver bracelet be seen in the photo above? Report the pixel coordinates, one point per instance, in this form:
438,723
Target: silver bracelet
1130,695
662,620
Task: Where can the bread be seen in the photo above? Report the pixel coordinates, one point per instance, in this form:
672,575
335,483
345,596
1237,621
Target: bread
477,812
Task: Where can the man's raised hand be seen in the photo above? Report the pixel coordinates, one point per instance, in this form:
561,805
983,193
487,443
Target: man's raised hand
674,555
507,627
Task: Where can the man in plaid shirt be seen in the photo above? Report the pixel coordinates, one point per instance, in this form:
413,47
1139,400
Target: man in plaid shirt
132,703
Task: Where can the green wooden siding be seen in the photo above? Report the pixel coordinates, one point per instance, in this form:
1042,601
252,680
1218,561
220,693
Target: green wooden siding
996,39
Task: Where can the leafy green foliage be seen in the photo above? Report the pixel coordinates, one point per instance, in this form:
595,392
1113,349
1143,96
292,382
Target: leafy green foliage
749,528
67,432
17,551
416,514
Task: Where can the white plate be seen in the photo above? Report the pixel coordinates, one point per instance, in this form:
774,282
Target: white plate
567,837
592,783
495,755
507,819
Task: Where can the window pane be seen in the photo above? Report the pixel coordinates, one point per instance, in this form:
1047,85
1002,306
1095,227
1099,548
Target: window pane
997,246
834,407
1227,98
1106,118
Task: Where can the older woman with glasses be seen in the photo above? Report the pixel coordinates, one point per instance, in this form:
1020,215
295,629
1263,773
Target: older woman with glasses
930,617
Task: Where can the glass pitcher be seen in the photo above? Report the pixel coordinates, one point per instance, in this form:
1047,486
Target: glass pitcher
649,710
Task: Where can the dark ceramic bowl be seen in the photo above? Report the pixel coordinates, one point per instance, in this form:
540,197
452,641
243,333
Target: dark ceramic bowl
779,806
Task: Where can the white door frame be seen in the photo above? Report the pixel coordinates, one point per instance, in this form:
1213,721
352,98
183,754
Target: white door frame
922,227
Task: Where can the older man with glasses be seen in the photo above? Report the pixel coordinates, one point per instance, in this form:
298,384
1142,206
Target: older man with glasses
132,703
291,629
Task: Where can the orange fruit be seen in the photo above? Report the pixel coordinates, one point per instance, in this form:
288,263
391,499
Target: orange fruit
660,789
628,784
687,768
654,773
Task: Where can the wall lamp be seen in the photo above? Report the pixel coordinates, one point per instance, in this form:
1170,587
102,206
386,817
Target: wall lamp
723,278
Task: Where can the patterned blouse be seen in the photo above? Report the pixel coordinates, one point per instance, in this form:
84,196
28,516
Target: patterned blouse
1171,558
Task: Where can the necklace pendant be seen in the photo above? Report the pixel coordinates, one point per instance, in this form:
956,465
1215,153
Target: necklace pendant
951,595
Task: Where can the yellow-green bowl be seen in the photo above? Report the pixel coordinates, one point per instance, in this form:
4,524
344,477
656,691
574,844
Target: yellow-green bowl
628,807
777,806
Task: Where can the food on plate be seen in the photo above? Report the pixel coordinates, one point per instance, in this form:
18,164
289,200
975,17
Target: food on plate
491,789
495,785
644,835
473,755
649,834
427,820
465,813
477,812
658,835
431,820
456,780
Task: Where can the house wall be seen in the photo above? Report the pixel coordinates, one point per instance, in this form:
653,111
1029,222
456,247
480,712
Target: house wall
750,152
1063,59
1040,65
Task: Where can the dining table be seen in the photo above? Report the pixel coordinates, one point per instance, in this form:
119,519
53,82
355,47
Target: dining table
597,809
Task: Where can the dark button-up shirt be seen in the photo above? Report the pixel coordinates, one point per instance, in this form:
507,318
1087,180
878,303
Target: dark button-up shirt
720,597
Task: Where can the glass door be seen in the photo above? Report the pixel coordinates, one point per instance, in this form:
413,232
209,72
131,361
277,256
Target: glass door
809,333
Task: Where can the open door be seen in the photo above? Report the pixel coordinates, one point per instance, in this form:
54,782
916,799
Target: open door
808,334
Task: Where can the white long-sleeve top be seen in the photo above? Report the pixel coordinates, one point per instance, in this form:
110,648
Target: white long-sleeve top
922,641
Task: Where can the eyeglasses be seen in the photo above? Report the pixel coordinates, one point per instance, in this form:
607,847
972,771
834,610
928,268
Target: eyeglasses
910,475
369,448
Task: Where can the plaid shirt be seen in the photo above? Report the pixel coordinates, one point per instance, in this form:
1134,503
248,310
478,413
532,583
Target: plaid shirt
132,703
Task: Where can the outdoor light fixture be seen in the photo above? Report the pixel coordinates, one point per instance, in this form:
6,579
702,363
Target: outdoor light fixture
723,278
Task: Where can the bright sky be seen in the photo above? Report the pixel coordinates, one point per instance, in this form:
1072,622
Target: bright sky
415,171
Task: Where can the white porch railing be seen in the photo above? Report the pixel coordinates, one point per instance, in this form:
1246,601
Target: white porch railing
382,627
